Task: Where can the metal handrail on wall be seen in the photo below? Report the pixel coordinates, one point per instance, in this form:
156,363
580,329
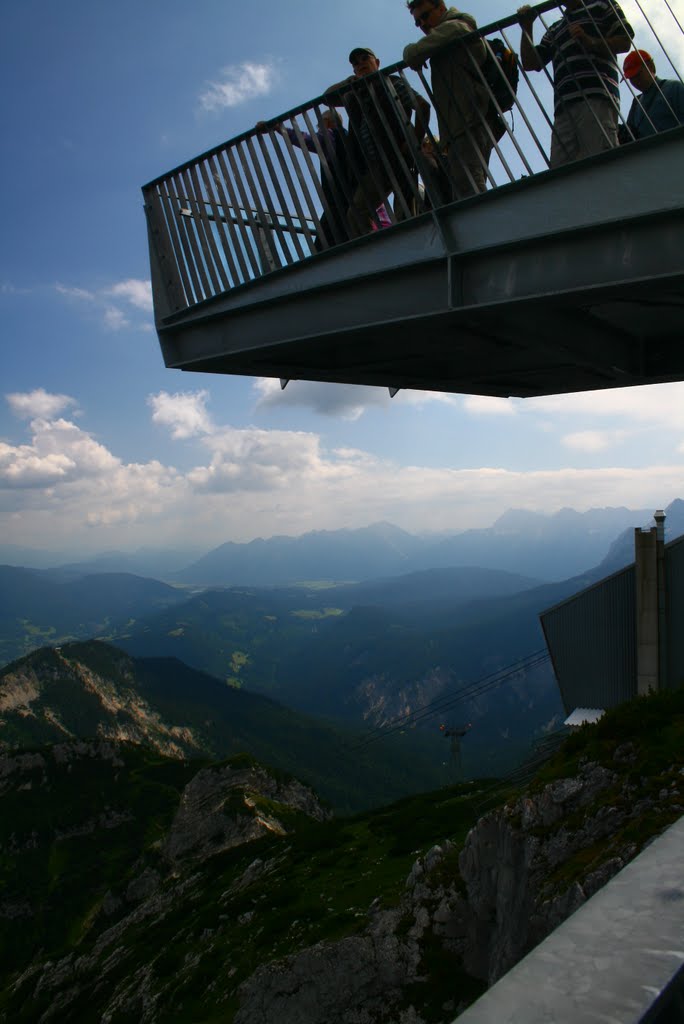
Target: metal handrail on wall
293,188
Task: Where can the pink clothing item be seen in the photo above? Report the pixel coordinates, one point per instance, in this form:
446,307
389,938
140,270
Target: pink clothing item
383,218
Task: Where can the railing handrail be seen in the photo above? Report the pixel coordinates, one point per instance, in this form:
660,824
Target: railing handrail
323,98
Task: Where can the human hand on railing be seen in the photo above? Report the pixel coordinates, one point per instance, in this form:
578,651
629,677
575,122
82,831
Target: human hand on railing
417,64
263,127
580,36
526,16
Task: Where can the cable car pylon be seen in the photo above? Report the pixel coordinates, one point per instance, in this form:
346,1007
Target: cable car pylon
455,734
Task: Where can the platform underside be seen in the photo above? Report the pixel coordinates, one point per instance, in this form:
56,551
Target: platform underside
569,281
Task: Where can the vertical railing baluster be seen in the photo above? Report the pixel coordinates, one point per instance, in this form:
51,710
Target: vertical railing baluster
247,242
170,215
219,177
190,247
219,213
521,110
217,273
252,220
292,232
272,210
312,175
266,232
205,269
285,167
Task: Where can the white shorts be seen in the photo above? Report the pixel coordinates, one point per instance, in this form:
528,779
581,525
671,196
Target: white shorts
583,128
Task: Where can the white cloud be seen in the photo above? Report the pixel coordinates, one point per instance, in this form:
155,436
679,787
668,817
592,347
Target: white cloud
59,451
62,480
80,294
41,403
115,319
237,84
593,440
137,293
266,460
486,405
660,405
185,413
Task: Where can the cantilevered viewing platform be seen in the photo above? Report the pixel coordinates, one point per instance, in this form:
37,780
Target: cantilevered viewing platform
551,281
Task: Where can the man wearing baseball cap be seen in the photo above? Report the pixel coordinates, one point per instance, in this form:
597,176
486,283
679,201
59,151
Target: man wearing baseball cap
379,122
661,103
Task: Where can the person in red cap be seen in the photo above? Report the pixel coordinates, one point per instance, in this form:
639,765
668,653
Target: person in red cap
582,46
661,103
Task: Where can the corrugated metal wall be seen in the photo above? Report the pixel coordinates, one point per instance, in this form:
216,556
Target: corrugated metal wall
674,575
592,642
592,637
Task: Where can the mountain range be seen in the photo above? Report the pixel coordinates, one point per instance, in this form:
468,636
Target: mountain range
367,653
87,690
546,547
550,548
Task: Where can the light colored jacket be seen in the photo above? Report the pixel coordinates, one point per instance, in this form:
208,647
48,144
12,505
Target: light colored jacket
460,98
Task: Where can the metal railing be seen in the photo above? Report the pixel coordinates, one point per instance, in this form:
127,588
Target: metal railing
313,178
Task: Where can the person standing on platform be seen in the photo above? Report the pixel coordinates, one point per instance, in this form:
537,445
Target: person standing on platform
582,47
379,121
461,98
661,104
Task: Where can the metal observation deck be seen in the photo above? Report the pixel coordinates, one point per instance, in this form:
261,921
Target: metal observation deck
550,281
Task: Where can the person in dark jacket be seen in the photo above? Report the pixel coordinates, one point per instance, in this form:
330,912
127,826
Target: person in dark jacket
661,103
380,115
338,179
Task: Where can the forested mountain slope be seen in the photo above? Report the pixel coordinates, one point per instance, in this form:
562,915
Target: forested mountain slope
82,691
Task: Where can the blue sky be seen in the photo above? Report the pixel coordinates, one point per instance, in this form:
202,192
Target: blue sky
100,446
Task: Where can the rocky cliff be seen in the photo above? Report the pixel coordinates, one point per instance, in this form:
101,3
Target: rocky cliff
226,892
523,869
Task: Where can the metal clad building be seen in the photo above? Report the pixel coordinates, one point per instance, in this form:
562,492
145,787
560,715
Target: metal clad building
592,637
674,576
592,641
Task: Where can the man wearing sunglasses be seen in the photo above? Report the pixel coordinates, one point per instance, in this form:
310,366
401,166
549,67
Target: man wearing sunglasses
381,138
459,93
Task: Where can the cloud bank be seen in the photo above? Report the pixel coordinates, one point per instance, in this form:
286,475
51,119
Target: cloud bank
59,481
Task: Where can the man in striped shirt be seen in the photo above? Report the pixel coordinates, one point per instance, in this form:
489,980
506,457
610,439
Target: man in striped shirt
582,47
